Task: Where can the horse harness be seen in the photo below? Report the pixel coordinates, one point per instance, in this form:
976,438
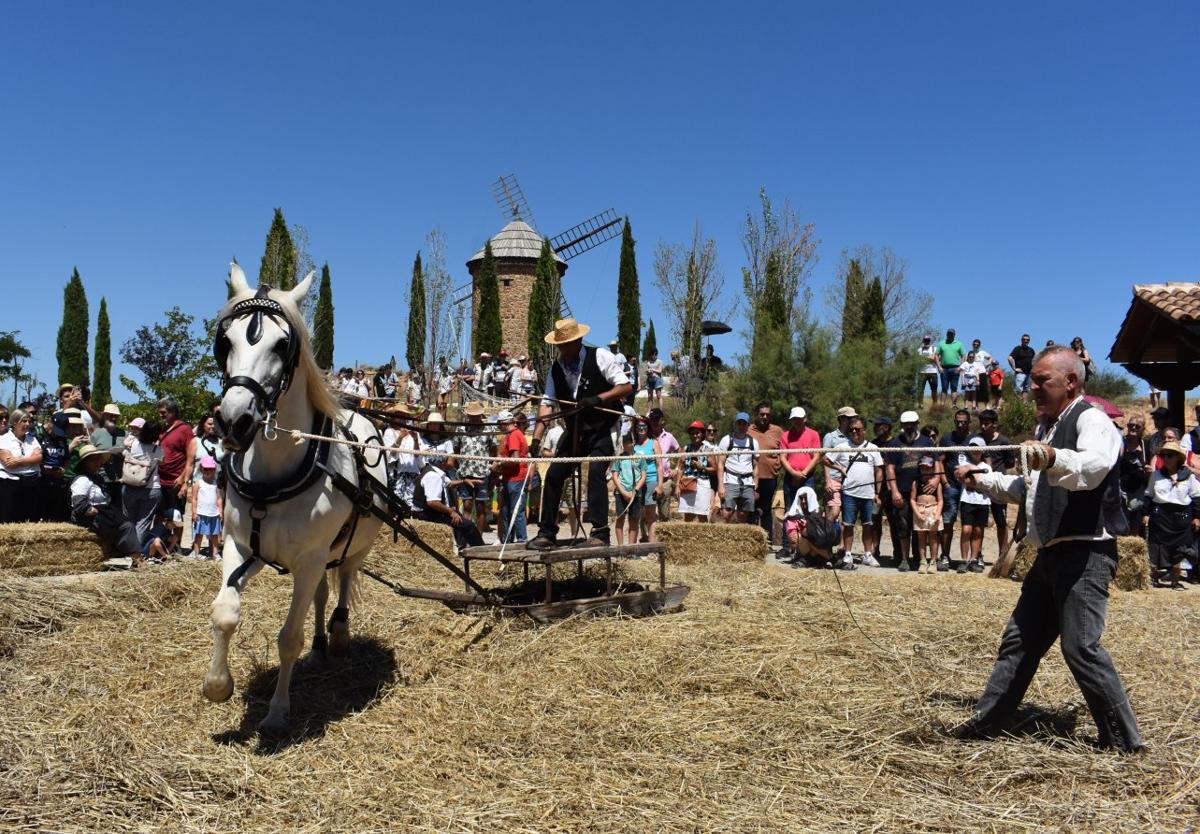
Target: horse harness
256,307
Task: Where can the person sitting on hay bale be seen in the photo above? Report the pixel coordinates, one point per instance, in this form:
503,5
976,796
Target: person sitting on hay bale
809,535
1065,595
92,507
1172,517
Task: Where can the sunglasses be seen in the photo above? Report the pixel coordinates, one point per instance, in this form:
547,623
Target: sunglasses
857,431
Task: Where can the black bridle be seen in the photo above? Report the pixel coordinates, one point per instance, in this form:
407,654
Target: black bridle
256,308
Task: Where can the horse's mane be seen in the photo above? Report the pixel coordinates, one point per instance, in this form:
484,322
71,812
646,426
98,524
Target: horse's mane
320,395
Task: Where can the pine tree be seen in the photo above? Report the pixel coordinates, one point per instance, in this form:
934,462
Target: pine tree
487,328
856,287
544,305
72,350
280,260
873,326
629,296
651,344
323,323
102,377
415,352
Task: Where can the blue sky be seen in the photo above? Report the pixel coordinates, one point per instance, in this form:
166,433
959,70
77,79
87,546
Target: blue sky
1030,161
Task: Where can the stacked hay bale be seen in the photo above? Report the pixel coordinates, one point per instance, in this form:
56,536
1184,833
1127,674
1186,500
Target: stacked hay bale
690,543
1133,564
50,549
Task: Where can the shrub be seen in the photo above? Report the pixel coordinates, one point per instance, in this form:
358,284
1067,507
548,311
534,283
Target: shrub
1112,385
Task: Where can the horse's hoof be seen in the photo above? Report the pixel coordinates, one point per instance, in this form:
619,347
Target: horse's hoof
273,725
320,645
339,639
218,689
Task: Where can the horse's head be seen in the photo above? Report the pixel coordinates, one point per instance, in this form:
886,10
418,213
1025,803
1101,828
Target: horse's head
258,345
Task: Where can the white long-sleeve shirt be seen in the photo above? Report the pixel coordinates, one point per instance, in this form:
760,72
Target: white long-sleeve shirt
610,368
1099,446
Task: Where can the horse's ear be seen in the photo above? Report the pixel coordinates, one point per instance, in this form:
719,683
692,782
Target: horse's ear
300,291
237,279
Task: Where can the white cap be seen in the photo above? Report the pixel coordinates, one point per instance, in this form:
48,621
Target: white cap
505,416
434,417
910,417
977,441
797,413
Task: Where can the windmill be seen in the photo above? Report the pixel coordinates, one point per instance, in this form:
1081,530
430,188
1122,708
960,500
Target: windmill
516,249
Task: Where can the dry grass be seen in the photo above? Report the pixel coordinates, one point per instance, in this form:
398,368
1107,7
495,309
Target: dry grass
1133,565
50,549
758,708
688,543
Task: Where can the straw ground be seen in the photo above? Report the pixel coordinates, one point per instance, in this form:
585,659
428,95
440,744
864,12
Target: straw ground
758,708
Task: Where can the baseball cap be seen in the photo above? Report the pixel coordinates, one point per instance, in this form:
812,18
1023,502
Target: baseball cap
741,417
882,420
976,441
208,462
137,422
696,424
847,411
797,413
505,416
654,414
926,338
926,460
910,417
58,424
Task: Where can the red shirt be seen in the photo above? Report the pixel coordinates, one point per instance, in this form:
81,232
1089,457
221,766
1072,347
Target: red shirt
807,439
514,441
175,442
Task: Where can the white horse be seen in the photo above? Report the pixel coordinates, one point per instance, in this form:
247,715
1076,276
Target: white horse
283,505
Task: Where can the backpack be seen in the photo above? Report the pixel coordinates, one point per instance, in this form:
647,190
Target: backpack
819,531
137,470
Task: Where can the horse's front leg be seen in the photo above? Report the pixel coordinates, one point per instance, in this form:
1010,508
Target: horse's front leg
339,623
306,577
320,642
226,613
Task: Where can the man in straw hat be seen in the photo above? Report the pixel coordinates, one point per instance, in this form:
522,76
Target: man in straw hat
1065,595
475,440
593,379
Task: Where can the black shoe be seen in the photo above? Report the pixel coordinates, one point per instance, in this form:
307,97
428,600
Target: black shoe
962,568
596,541
975,566
541,543
903,566
974,728
943,566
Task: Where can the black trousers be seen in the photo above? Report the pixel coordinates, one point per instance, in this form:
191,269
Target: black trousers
900,526
591,443
466,534
1065,596
766,495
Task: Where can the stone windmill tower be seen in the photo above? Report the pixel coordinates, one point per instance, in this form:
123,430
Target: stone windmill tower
516,249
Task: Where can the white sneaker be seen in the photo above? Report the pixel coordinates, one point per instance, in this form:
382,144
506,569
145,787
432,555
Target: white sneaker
848,561
869,561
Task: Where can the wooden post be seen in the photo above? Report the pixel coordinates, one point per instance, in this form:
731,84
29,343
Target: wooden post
1176,398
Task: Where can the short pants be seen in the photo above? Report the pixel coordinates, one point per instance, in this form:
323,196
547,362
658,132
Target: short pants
857,509
739,497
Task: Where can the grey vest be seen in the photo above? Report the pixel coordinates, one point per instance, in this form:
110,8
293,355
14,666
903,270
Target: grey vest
1059,512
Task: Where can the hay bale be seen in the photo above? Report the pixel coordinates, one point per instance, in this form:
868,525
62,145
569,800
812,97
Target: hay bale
689,543
1133,563
50,549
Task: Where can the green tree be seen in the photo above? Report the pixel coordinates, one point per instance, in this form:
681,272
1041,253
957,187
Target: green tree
545,302
629,296
872,326
852,301
102,377
415,353
11,352
651,344
72,351
175,361
488,336
280,259
323,322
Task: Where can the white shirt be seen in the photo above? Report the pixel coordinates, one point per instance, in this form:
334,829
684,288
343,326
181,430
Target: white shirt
832,440
206,499
85,487
550,441
929,354
1165,490
859,462
1101,445
18,448
136,449
610,367
802,495
412,391
1185,443
434,483
446,446
983,357
406,462
738,467
971,496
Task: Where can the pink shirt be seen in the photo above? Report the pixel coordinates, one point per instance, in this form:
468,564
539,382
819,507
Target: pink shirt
807,439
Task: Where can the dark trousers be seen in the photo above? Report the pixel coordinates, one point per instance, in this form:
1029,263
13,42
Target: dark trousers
591,443
900,526
766,494
466,534
1064,596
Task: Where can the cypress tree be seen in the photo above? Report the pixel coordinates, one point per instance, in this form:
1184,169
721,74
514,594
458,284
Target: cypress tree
102,378
856,287
629,297
873,326
280,260
651,344
415,352
544,306
772,314
323,323
72,350
487,328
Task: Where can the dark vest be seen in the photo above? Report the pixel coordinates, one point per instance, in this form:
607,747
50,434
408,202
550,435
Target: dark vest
420,499
1059,512
591,383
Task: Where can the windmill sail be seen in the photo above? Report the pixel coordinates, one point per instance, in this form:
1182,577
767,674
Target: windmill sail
587,235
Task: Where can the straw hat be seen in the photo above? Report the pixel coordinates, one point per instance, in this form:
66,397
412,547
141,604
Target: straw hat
112,409
473,409
1172,446
87,450
435,417
63,386
566,330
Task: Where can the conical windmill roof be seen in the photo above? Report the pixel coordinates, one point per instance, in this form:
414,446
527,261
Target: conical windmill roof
516,240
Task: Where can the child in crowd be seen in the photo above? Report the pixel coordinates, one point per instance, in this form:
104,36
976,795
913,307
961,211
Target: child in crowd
968,381
1172,517
629,479
927,514
996,377
208,508
154,548
974,507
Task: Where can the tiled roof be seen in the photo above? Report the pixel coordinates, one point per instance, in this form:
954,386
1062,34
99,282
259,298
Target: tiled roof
516,240
1179,300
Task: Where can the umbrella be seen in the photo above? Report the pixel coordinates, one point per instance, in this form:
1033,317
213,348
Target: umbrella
1110,410
714,328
